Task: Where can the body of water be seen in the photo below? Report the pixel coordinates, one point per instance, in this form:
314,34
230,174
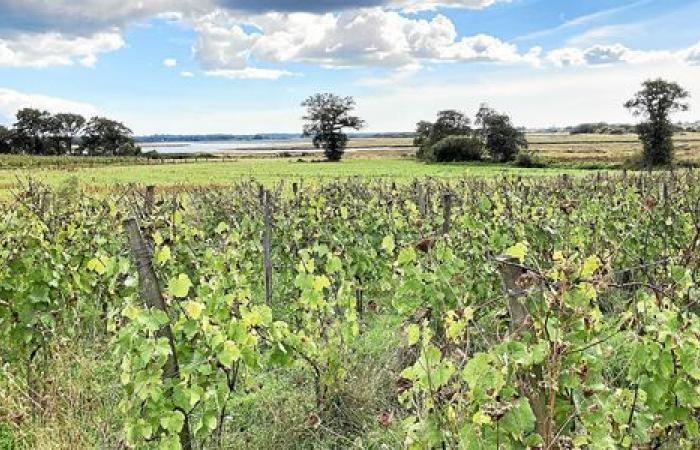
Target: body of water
273,146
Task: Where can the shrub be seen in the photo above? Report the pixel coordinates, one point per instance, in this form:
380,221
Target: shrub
529,160
457,148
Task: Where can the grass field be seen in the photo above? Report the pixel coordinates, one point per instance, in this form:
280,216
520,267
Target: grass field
568,154
266,170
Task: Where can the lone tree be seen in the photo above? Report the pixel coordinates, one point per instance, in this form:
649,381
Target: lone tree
327,115
502,140
657,100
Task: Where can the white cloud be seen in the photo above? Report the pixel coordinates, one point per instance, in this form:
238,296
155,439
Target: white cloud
534,99
691,55
366,37
170,62
186,74
599,55
54,49
12,101
430,5
249,73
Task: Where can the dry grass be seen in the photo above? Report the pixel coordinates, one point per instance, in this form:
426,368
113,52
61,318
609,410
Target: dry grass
75,406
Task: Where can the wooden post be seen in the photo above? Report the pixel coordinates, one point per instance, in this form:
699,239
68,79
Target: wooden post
267,261
520,320
151,295
447,212
149,200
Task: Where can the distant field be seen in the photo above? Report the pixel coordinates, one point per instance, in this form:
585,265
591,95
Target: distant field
384,157
608,149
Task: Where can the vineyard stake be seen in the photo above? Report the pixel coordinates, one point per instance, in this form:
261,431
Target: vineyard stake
150,293
267,260
520,321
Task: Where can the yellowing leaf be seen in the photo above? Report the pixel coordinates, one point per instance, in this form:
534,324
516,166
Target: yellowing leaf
321,282
518,251
388,244
229,353
413,334
163,255
179,287
194,309
590,265
96,266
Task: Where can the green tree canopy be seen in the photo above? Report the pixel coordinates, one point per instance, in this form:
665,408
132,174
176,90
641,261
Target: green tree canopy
108,137
655,103
327,115
502,140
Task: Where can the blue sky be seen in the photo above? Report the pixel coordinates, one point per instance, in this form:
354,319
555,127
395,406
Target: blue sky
244,66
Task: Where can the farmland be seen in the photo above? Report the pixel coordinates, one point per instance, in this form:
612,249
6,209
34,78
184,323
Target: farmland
566,154
331,313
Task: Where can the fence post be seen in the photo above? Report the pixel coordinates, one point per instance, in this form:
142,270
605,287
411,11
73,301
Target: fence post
520,321
447,212
149,200
151,295
267,260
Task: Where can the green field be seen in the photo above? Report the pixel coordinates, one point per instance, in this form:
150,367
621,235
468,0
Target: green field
265,170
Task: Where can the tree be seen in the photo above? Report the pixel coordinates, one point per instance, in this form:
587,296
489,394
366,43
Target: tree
449,123
66,127
502,140
655,102
5,140
107,137
31,128
327,115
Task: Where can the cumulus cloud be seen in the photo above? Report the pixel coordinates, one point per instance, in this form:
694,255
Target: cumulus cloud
186,74
12,101
170,62
691,55
601,55
55,49
366,37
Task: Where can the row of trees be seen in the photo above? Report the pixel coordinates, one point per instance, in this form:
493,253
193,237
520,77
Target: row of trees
452,138
38,132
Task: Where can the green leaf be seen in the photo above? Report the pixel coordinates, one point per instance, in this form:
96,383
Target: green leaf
172,421
230,353
406,255
179,287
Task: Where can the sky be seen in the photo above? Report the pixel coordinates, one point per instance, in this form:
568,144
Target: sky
245,66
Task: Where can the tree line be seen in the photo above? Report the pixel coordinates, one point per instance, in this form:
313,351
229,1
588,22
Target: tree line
452,138
37,132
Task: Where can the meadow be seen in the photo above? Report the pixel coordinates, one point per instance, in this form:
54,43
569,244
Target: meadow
570,154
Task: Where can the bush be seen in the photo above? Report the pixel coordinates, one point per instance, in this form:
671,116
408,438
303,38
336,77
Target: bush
530,161
457,148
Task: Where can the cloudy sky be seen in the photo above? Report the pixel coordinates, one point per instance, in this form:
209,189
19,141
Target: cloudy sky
243,66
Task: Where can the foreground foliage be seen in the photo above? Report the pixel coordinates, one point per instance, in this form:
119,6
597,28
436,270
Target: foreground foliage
474,313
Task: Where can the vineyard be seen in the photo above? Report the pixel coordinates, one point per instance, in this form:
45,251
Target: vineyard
469,313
